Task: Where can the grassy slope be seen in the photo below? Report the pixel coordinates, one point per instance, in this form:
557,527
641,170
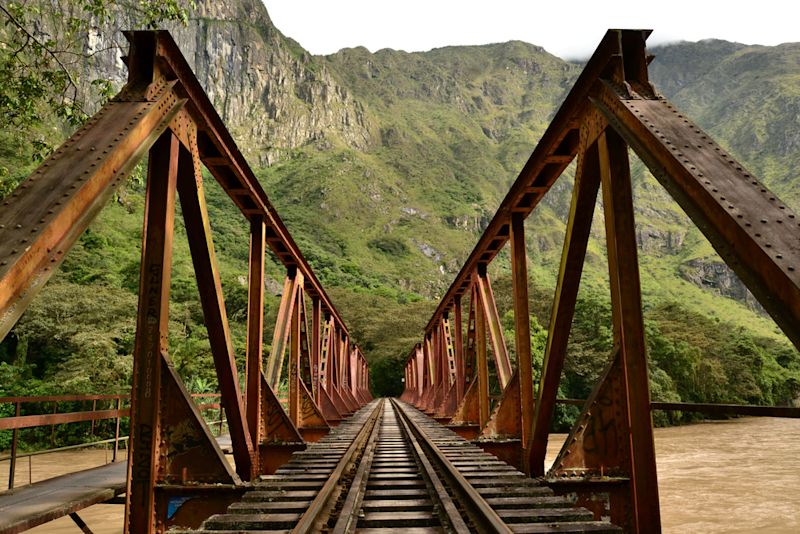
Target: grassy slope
393,224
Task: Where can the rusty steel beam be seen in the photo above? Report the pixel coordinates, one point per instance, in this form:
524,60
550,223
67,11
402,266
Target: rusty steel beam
491,320
522,326
626,305
44,216
316,347
255,327
294,352
458,342
481,362
222,157
579,224
280,335
152,330
753,231
201,246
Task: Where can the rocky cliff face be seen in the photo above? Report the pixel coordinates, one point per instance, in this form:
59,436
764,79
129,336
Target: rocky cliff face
271,93
428,142
720,278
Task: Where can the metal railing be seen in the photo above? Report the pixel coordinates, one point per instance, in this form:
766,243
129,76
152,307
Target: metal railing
120,409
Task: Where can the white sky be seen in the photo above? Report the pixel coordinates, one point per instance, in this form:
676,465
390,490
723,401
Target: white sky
569,29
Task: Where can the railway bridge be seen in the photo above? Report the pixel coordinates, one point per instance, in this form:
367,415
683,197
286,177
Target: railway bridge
446,456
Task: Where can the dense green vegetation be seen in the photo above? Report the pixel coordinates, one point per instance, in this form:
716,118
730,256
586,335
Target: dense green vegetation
386,228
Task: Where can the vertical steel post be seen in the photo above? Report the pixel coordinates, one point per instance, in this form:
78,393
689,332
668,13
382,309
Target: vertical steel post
12,466
481,361
255,327
152,330
458,343
522,331
628,324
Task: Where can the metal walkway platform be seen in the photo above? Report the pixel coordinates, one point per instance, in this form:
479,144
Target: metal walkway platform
47,500
35,504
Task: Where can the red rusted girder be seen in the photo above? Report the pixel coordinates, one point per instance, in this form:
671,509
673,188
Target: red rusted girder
628,325
255,327
198,231
44,216
584,196
613,106
748,225
151,333
522,329
164,109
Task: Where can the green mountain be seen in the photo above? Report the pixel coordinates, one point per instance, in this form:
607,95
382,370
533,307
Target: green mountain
387,166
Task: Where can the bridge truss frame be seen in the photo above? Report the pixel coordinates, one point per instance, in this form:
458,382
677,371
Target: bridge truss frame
177,473
608,459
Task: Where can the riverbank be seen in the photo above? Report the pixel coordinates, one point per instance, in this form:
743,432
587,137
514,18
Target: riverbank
716,477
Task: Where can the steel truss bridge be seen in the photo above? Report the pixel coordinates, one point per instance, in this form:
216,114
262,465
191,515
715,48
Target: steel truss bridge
445,456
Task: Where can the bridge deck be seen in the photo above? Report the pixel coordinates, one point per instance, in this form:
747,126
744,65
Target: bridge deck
28,506
38,503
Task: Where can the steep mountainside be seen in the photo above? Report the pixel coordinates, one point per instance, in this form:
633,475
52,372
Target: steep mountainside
271,93
387,166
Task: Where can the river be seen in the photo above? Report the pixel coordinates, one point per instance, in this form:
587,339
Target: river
732,477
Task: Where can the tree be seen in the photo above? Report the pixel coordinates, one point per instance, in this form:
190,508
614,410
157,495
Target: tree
46,53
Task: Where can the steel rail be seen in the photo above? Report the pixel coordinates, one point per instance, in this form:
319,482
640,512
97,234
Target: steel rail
448,509
315,512
481,514
348,516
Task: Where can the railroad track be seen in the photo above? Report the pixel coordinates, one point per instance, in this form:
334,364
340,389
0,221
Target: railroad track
390,468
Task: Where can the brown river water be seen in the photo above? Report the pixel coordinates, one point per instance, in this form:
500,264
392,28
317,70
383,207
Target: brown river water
740,476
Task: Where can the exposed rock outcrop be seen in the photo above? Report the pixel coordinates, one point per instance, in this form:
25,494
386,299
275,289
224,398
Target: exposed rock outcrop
270,92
